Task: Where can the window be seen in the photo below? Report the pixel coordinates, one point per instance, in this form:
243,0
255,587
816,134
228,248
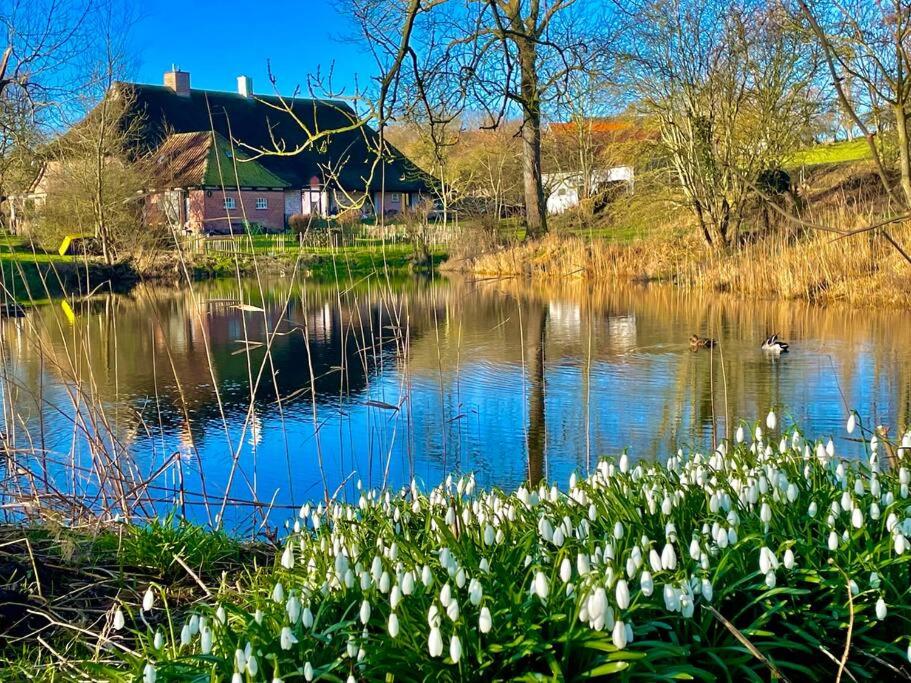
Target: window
262,203
395,197
229,202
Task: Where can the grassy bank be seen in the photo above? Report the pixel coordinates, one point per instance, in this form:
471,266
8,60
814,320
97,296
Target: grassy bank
771,558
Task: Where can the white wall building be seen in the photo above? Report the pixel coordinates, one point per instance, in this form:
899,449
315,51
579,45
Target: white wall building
565,188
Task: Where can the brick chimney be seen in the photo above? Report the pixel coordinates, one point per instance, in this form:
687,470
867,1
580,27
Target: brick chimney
245,86
178,81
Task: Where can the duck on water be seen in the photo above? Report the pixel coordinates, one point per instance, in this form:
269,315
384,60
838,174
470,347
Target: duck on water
774,345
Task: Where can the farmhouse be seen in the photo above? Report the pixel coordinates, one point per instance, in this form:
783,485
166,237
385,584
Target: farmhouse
227,160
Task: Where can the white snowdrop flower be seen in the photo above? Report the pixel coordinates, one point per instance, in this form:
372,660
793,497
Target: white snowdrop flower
455,649
687,606
771,420
900,543
695,550
252,666
765,564
830,449
475,592
293,608
149,674
288,557
408,583
881,609
558,537
618,530
668,557
875,581
395,596
765,513
205,643
445,595
597,603
792,492
384,582
287,638
185,635
119,621
435,642
788,559
857,518
618,635
308,671
740,435
646,584
833,540
566,570
583,565
757,433
541,585
452,610
622,594
237,677
592,512
148,600
426,577
240,659
624,463
393,625
278,593
307,617
488,535
813,509
666,506
770,579
852,423
654,560
707,590
909,652
484,620
158,641
365,612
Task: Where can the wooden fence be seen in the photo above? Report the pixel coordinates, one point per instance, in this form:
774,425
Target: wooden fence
316,240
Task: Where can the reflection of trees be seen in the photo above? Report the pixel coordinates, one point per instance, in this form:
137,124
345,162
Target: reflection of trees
536,342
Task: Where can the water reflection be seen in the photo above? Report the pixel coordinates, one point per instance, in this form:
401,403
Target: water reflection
293,391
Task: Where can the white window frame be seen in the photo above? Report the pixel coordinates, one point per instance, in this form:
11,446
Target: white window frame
262,203
230,203
396,198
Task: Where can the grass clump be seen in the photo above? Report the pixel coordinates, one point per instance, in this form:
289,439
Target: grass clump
769,558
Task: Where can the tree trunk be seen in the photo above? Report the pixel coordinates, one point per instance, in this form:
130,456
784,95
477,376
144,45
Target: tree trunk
901,131
535,208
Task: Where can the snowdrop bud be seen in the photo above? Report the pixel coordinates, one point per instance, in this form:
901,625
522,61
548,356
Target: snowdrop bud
307,617
788,559
833,540
707,590
118,619
618,530
901,544
852,423
618,635
278,593
813,509
654,559
566,570
426,577
435,642
455,649
148,600
646,584
857,518
541,585
365,612
158,641
149,674
393,625
881,609
765,513
740,436
668,557
771,420
288,557
308,672
770,579
622,594
205,643
484,620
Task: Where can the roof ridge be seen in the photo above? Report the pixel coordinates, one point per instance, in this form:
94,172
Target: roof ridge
211,91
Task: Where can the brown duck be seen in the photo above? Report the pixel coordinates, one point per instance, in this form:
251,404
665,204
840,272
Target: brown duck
697,342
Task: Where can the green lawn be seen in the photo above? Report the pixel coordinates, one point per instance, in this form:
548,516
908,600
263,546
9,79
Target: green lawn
27,271
832,153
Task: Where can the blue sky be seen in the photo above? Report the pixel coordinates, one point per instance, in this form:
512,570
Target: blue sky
217,41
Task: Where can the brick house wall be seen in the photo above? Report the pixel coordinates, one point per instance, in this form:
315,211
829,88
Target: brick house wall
208,213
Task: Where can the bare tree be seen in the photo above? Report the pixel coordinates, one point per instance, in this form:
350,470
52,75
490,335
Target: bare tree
730,85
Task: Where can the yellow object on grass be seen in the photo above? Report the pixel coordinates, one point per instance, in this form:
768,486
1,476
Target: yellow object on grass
68,311
68,241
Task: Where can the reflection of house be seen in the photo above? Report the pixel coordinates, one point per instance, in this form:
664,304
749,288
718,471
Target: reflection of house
212,153
566,189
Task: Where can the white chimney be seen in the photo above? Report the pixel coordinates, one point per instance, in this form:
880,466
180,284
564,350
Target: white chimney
245,86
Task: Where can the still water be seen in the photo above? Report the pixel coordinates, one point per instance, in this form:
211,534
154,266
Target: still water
288,391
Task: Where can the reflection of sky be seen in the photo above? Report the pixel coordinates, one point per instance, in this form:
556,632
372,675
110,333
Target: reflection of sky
463,404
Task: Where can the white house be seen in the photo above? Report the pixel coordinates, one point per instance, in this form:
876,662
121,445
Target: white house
566,187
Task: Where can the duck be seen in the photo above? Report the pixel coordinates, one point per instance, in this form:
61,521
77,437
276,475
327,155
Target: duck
697,342
774,345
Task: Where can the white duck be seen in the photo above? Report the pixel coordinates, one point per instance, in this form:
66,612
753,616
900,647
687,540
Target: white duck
774,345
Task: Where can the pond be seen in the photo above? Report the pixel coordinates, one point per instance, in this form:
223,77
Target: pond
209,399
